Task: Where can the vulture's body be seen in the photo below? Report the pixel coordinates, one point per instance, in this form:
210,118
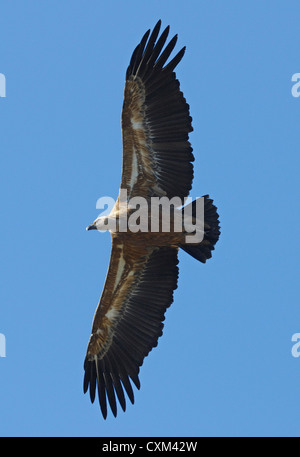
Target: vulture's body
143,271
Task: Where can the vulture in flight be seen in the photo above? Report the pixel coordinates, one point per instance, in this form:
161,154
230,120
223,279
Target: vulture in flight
143,271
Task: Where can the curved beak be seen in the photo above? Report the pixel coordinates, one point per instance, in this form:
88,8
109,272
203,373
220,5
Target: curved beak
91,227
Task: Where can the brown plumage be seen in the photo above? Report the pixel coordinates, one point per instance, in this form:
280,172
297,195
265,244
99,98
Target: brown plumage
143,271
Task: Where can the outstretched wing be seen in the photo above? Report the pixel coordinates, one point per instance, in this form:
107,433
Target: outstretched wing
157,156
128,321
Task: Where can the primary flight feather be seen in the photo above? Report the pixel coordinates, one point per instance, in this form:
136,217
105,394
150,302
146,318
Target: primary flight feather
143,271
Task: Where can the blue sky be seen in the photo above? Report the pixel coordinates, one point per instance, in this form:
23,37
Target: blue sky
224,365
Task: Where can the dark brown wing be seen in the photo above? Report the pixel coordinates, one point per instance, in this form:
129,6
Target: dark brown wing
128,320
157,156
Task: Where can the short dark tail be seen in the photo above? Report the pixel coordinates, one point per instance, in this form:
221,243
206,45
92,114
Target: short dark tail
202,251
